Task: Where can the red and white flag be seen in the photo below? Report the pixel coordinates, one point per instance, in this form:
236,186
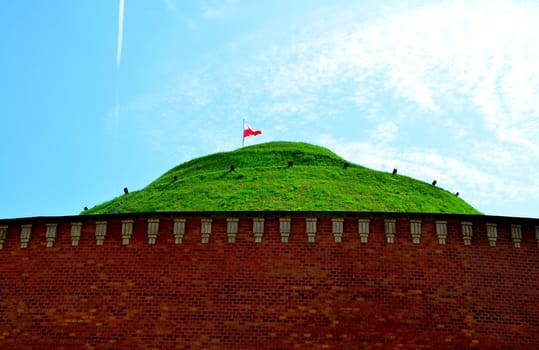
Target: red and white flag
247,131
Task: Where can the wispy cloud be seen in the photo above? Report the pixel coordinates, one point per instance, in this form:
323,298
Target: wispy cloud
477,185
448,90
471,68
218,9
170,5
120,33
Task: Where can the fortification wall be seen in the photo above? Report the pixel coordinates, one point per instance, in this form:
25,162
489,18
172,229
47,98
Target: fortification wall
269,281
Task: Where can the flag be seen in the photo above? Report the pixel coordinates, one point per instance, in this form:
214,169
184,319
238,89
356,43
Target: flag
247,131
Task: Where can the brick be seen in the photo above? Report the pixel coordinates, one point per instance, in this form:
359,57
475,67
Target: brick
180,293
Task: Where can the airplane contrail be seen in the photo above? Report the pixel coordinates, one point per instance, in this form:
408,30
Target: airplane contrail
120,34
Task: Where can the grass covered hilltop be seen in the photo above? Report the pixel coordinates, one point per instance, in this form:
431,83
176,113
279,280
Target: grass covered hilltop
318,180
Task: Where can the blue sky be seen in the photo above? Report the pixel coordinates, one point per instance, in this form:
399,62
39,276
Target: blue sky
90,103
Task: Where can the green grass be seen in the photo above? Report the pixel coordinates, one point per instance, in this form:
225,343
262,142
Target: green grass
263,181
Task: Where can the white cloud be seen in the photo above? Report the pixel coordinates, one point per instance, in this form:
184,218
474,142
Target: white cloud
120,33
385,132
448,57
170,5
362,152
218,9
478,186
458,79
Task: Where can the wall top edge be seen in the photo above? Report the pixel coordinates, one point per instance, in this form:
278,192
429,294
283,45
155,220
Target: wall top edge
272,214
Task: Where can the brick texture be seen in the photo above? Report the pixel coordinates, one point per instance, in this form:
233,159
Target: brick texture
270,295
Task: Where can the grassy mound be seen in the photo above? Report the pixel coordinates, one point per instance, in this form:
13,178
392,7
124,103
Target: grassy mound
263,180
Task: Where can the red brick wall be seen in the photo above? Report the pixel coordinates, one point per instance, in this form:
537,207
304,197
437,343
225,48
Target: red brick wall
270,295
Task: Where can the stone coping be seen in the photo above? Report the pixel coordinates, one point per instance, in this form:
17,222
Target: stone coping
273,214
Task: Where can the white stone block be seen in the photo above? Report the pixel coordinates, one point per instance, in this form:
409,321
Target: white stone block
153,230
26,233
441,231
492,233
178,230
205,230
3,235
311,229
338,228
76,230
516,233
100,232
390,226
415,230
50,234
363,229
284,229
232,229
467,232
258,229
127,231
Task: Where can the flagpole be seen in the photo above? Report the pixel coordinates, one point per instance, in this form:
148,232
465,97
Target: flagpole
242,135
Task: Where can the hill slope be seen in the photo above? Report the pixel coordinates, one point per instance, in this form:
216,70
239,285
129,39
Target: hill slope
263,180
